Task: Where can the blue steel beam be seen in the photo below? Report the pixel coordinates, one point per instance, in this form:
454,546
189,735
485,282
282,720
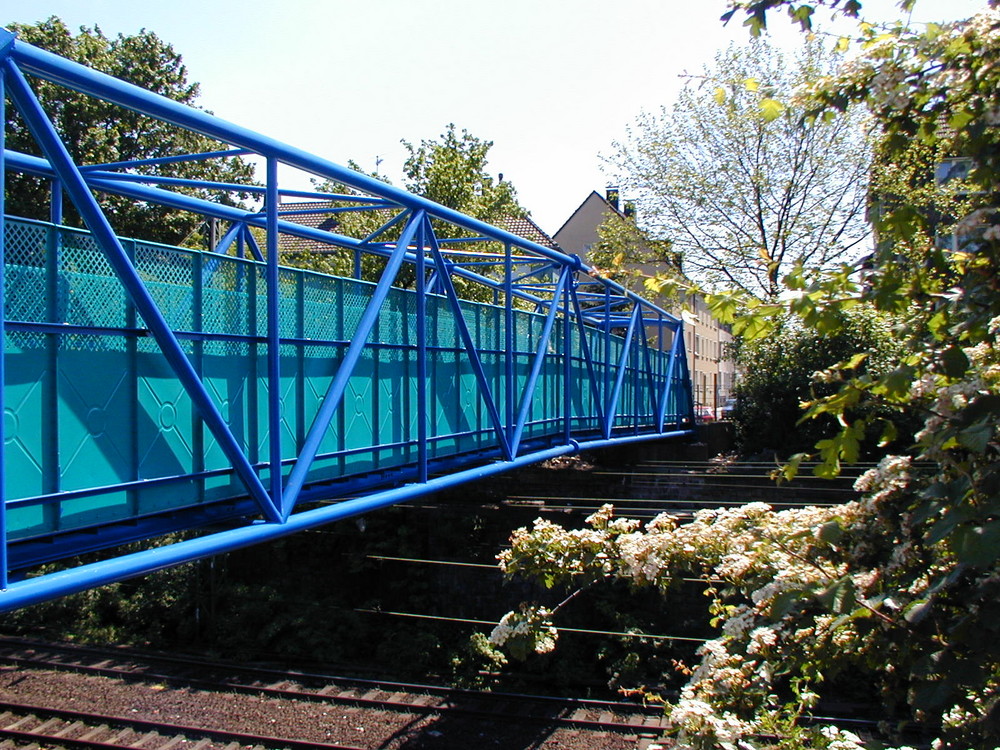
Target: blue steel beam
598,400
48,140
421,282
536,366
222,247
3,334
444,278
273,343
334,394
167,159
676,345
612,408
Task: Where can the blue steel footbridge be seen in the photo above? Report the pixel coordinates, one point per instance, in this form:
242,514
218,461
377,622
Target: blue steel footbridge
150,389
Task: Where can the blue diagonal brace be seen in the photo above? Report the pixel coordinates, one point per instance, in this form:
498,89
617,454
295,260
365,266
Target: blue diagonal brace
536,365
444,278
648,367
223,245
588,357
612,409
73,183
335,393
671,366
252,244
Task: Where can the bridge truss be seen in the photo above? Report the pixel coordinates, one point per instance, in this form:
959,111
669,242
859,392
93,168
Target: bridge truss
151,389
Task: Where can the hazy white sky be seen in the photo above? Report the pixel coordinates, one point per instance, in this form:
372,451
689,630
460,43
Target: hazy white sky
551,82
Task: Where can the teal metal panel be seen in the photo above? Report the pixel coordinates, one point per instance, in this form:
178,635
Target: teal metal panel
24,411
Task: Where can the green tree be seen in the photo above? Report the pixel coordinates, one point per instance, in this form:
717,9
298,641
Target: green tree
97,132
452,171
739,183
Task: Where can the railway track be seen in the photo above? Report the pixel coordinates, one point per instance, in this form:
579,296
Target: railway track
52,727
627,720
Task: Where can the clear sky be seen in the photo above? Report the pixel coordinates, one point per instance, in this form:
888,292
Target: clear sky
551,82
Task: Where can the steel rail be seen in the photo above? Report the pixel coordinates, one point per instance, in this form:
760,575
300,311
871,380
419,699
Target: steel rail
176,729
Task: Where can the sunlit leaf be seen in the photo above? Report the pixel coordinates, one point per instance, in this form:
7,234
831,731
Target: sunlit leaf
770,109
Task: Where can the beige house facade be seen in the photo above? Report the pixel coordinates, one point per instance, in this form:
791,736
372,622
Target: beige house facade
713,373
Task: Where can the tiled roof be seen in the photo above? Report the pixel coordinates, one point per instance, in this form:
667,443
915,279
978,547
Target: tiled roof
305,213
524,227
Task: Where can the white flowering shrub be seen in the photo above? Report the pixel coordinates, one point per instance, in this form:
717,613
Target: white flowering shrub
899,590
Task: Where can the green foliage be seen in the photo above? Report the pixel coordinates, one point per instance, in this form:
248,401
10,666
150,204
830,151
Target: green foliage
625,251
452,171
777,376
97,132
739,182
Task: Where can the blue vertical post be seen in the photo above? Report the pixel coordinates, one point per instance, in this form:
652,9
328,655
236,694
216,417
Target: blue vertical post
3,352
567,361
635,371
609,418
273,339
421,291
55,313
509,356
56,202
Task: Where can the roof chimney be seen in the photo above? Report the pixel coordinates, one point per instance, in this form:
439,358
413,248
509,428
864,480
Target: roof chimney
612,196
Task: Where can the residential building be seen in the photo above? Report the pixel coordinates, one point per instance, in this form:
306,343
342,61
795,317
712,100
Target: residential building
713,373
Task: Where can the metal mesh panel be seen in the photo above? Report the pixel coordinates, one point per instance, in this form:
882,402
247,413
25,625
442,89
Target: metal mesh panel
27,297
288,308
321,305
224,295
96,297
356,295
25,251
25,244
168,275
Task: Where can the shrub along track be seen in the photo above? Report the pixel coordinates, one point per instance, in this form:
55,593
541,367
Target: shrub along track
175,701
